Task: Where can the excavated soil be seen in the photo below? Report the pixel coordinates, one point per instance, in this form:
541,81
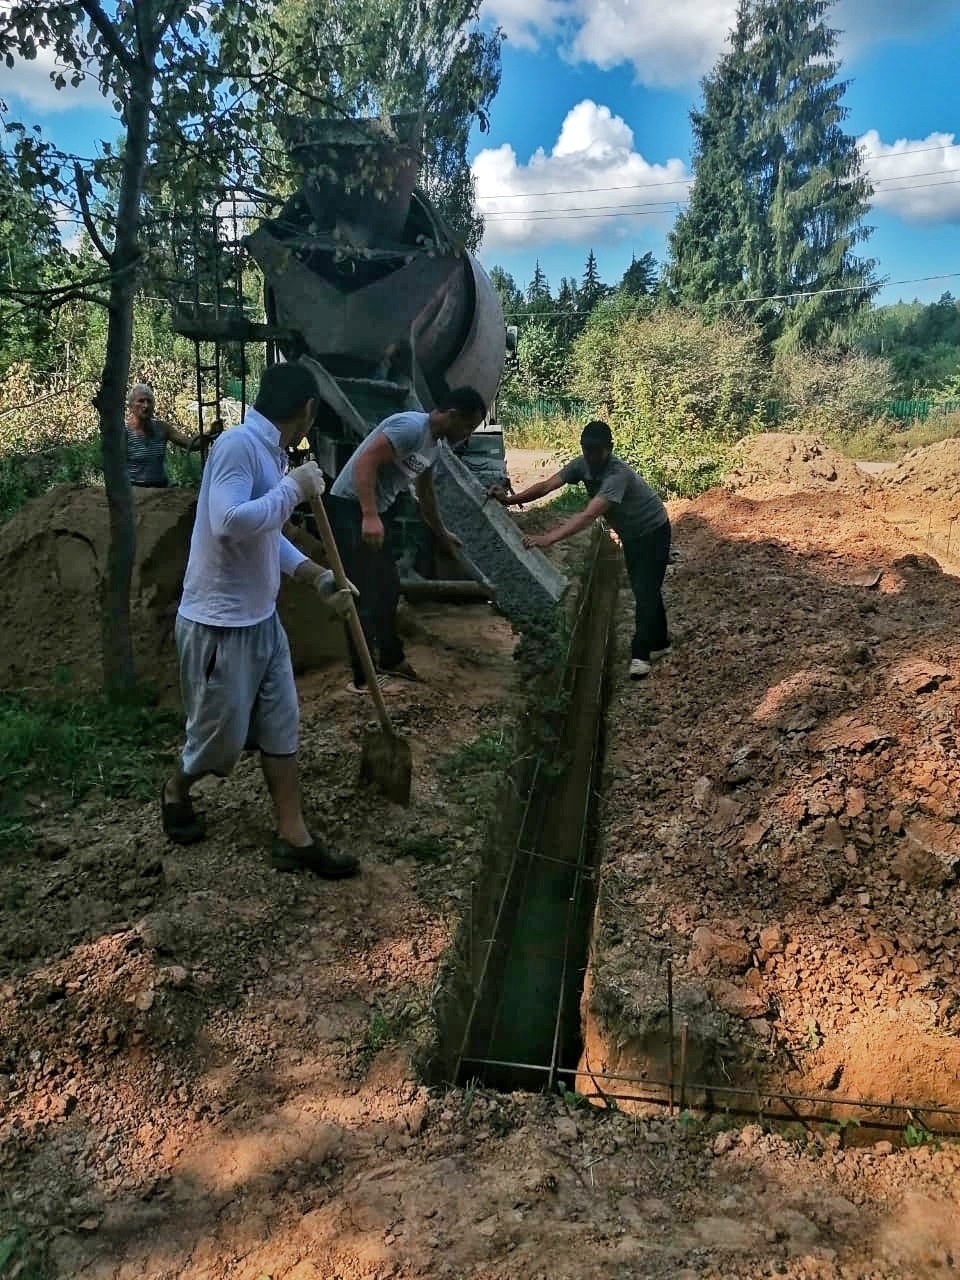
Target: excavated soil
53,559
782,818
921,495
206,1069
787,461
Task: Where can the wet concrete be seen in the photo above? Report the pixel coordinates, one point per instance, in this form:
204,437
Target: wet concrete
526,583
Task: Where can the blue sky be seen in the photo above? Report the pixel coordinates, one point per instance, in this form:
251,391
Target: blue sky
613,81
590,139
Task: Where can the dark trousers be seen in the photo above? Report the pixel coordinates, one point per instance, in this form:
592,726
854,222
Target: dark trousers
647,558
375,575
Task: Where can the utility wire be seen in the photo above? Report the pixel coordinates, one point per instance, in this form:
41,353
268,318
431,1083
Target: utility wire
676,182
736,302
656,208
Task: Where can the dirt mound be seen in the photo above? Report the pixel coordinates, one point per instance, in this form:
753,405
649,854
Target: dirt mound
797,461
53,557
934,470
788,833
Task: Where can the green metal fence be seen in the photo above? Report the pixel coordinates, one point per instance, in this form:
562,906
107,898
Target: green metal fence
528,409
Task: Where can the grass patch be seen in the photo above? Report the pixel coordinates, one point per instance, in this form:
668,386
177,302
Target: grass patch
22,1256
885,441
556,433
71,746
476,768
392,1022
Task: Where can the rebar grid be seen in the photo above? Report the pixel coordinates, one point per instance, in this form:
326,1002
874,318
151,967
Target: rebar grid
583,874
716,1090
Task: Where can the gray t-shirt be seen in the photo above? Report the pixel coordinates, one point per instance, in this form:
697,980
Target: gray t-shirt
414,450
635,509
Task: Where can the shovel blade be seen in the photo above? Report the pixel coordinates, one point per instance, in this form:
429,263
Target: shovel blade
386,763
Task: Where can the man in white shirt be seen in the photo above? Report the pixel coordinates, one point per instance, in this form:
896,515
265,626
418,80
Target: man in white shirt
236,675
395,455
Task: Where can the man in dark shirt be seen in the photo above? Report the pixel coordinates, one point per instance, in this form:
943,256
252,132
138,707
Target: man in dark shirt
634,511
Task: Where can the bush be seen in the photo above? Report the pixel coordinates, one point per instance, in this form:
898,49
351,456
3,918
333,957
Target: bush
676,391
49,433
885,440
820,391
719,367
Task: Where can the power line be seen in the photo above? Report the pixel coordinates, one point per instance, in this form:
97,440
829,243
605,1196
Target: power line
735,302
626,210
658,206
856,288
678,182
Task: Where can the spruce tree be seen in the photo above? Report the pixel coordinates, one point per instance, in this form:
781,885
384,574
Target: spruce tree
538,290
592,288
569,321
779,195
640,278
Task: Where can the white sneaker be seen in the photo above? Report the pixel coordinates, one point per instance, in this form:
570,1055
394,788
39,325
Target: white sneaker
639,669
662,653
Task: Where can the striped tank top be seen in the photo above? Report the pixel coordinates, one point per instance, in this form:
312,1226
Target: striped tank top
146,457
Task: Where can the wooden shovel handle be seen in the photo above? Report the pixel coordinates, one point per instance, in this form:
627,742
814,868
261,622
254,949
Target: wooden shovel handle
353,618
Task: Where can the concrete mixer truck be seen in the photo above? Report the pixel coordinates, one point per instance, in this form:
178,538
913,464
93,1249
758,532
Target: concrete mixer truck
371,290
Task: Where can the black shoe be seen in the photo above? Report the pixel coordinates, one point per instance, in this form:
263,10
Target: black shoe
181,823
313,857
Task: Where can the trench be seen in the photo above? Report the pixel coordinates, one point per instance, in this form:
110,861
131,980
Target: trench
508,1012
527,942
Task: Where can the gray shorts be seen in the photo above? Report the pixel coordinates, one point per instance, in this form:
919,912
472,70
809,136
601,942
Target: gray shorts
238,692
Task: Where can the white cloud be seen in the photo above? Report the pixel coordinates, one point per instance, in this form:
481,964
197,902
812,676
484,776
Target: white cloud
673,42
592,187
918,180
527,22
69,227
30,84
668,43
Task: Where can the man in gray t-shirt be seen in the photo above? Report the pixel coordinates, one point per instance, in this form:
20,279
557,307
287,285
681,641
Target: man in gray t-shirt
634,510
396,455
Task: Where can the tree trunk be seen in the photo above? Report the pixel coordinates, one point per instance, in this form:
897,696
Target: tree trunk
118,666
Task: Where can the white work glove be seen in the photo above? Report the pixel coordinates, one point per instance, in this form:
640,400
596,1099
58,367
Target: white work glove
309,480
325,584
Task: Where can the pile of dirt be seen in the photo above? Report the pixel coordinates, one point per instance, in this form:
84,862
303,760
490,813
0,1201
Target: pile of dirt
930,472
53,558
799,462
921,496
785,828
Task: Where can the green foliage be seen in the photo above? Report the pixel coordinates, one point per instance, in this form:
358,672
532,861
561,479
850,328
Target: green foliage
391,1022
779,196
23,1256
474,770
592,288
542,363
921,344
29,259
48,432
675,390
73,745
361,57
641,277
915,1135
571,1098
819,389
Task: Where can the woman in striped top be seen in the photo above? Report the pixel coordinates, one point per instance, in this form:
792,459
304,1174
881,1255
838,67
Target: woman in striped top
147,439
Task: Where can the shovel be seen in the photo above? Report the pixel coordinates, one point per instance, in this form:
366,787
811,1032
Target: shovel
386,760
